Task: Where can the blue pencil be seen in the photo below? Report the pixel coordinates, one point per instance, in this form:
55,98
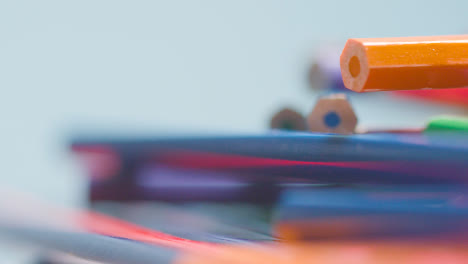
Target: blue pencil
305,157
372,211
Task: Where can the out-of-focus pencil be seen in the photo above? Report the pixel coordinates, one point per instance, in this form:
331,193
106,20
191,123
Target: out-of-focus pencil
376,212
288,119
382,252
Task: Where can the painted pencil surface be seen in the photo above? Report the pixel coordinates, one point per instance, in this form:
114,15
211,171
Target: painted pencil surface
382,252
306,157
405,63
86,234
372,212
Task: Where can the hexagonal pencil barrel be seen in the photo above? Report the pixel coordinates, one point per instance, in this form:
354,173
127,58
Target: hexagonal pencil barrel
332,114
288,119
406,63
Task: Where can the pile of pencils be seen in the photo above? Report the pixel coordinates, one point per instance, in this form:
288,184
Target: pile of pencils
283,196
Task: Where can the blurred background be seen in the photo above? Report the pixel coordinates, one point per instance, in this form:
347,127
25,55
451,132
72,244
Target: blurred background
139,67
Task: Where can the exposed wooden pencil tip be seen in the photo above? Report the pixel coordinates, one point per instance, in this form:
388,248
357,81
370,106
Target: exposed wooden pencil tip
332,114
288,119
354,67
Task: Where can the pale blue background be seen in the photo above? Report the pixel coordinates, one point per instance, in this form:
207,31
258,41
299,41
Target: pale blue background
140,66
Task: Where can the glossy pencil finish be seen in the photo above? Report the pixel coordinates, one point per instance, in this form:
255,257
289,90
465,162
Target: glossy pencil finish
372,212
294,146
382,252
456,97
110,241
448,124
405,63
83,233
277,158
90,246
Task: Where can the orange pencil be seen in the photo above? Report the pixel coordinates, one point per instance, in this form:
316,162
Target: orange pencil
382,252
406,63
